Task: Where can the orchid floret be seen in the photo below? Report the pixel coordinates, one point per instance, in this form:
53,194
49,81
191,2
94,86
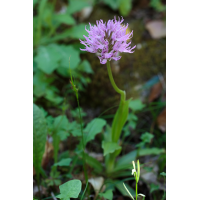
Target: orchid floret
108,39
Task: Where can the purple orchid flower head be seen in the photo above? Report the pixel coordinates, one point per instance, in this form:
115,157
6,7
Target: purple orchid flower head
108,39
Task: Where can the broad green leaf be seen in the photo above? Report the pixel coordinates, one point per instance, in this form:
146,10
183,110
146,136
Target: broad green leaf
136,105
64,162
107,195
93,163
66,53
125,7
151,151
64,18
39,137
60,123
70,189
76,132
92,128
47,58
63,155
128,191
76,32
125,162
76,5
40,83
63,134
52,96
85,67
119,120
109,147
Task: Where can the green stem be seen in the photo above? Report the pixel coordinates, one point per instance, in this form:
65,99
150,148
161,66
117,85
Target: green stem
38,184
136,190
83,144
118,121
136,180
121,92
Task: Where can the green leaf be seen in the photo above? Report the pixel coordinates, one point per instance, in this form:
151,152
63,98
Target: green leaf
136,105
151,151
163,174
47,58
120,187
52,96
40,83
39,137
34,2
85,67
92,128
76,5
109,147
125,7
64,18
107,195
76,32
67,52
63,155
146,137
93,163
114,4
125,162
153,187
70,189
64,162
61,123
119,120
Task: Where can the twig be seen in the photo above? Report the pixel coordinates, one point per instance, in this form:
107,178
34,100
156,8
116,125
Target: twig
53,196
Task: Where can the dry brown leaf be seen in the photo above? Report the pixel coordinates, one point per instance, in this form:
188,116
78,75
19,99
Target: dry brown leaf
155,91
97,183
85,13
161,120
97,156
48,154
43,191
157,29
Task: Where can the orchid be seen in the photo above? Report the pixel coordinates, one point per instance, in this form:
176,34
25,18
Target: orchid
108,39
136,174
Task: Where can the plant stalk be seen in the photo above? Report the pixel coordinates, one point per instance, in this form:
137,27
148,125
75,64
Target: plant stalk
121,92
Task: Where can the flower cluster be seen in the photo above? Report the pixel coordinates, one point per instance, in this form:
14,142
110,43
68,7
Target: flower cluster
108,39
